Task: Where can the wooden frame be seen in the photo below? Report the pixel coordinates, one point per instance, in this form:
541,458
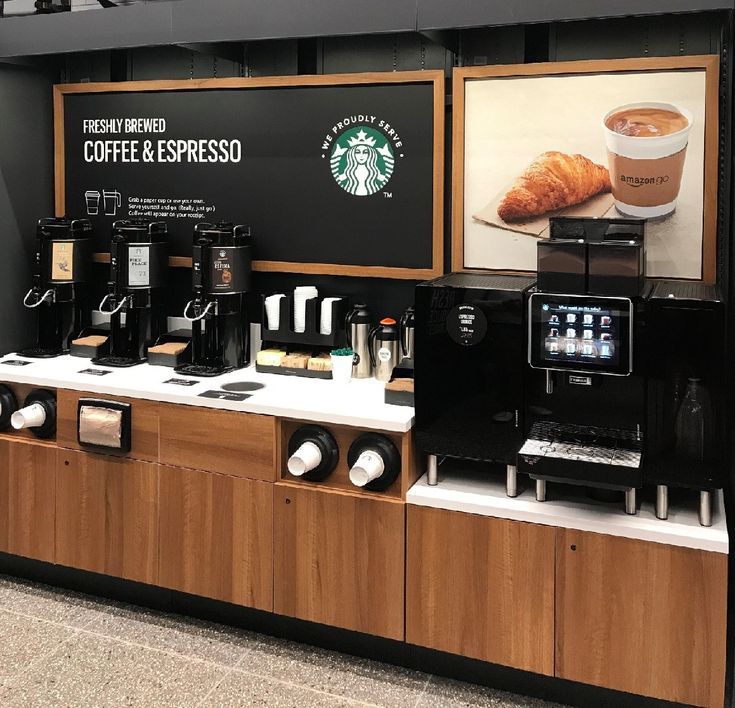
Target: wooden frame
436,77
711,65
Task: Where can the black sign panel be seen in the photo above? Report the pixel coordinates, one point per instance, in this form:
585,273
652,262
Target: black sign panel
334,174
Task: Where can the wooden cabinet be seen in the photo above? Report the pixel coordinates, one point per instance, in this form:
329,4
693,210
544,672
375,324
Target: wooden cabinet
481,587
641,617
237,444
143,423
27,492
217,536
339,559
107,515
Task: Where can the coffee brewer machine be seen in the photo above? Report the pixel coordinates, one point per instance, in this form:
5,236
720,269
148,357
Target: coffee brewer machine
586,379
468,369
222,267
138,278
60,292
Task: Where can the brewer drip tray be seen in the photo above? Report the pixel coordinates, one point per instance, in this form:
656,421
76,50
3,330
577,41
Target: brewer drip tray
201,370
602,446
40,353
117,361
243,386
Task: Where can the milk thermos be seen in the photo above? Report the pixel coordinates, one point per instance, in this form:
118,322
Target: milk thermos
384,343
357,324
408,332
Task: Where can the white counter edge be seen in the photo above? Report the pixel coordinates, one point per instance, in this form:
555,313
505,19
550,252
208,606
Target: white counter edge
487,498
283,397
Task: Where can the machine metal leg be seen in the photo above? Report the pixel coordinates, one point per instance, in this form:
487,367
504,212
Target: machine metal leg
511,481
630,505
433,471
541,490
662,501
705,508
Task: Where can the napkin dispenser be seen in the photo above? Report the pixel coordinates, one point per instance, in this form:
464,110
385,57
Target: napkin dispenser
104,426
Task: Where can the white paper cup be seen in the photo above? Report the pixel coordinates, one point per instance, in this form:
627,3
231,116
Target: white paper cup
33,416
342,368
299,311
325,324
273,311
305,459
645,172
369,467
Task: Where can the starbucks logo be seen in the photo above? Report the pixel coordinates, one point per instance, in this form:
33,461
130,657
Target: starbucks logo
362,161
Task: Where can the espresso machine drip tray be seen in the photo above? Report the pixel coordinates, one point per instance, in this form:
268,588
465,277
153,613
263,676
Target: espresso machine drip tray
602,446
587,455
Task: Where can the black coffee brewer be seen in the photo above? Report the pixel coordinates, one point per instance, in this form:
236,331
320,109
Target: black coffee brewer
585,407
60,292
221,274
138,278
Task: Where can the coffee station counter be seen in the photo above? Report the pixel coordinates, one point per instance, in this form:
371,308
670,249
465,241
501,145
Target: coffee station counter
462,490
281,396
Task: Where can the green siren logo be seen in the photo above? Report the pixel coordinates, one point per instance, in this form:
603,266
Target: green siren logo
361,157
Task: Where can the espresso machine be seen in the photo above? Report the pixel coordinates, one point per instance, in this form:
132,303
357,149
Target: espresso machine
469,369
586,384
60,292
136,301
221,274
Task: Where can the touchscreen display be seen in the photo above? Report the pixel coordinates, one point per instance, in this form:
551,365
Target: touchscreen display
580,333
584,333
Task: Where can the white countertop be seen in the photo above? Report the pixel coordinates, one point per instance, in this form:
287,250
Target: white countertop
360,403
484,493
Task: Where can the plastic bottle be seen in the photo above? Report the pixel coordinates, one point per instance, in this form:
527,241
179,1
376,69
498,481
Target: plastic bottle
693,422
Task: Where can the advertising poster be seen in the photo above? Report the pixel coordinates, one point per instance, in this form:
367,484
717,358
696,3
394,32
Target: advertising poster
622,144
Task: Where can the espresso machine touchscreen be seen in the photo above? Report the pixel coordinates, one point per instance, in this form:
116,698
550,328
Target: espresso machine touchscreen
581,333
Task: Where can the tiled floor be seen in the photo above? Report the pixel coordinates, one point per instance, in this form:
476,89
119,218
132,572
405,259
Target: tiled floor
65,649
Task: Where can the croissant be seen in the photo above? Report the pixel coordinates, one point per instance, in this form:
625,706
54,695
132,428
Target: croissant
553,181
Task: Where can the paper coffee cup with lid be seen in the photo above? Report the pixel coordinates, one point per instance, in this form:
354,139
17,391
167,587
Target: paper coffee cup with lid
646,150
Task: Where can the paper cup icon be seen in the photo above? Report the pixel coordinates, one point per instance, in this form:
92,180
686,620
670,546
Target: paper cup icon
646,166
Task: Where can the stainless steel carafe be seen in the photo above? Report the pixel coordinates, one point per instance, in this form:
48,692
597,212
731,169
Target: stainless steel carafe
357,324
384,345
408,331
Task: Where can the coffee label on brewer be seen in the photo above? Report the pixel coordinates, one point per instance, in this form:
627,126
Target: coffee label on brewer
62,260
139,270
222,270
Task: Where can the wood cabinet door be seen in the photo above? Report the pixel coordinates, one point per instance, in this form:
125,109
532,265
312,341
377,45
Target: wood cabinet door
236,444
339,559
217,536
27,492
481,587
107,515
641,617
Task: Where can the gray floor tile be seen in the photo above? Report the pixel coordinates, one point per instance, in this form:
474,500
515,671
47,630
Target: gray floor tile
339,674
24,640
96,671
240,689
453,694
50,604
189,637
